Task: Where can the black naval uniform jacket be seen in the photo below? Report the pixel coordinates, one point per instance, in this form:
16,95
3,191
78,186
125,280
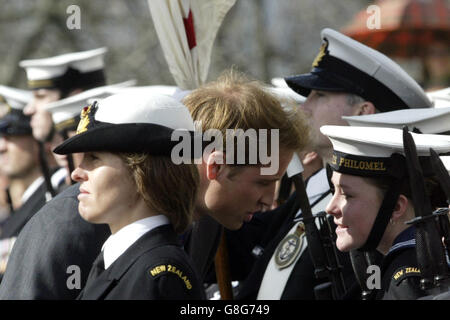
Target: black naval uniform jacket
53,241
400,274
14,223
155,267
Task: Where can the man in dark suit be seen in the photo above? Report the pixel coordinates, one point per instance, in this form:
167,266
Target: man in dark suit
54,252
53,255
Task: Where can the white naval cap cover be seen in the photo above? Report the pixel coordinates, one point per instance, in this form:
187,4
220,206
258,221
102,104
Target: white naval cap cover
345,65
66,112
426,120
367,151
15,98
12,119
440,98
172,91
52,72
130,122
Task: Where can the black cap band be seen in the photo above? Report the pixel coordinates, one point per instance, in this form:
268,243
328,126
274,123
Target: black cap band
71,79
368,166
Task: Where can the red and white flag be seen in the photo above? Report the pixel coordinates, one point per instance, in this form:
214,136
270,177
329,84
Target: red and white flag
186,30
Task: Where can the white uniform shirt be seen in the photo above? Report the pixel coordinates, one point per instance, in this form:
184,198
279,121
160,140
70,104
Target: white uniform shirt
119,242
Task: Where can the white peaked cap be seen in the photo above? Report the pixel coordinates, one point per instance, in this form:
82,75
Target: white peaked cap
381,142
130,122
49,68
144,107
427,120
346,65
377,65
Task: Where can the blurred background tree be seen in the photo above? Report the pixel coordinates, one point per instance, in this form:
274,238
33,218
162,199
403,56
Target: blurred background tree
263,38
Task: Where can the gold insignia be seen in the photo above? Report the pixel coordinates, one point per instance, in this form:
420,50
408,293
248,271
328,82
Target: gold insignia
321,53
362,165
84,121
405,272
173,269
289,248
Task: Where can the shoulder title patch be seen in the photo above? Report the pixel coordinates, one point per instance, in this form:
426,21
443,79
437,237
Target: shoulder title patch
405,272
165,268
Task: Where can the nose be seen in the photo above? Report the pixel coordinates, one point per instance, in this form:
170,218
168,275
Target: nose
267,197
333,207
79,175
30,108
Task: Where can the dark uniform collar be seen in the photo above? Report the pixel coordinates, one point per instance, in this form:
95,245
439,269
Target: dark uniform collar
406,239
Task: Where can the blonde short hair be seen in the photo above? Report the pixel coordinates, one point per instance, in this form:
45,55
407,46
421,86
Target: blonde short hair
235,102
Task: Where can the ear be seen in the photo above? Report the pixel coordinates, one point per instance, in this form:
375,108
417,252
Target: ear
214,164
366,107
400,208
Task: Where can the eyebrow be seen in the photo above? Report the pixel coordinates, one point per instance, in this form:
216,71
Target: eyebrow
342,185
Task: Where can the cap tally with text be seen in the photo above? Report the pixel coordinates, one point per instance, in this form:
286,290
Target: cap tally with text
427,120
12,119
372,152
130,122
66,112
345,65
82,70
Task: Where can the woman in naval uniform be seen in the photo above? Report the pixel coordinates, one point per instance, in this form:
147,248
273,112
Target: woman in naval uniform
129,181
372,201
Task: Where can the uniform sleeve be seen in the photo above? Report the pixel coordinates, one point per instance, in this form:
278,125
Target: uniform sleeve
174,281
404,285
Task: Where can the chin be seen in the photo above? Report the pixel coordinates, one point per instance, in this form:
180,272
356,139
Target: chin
344,246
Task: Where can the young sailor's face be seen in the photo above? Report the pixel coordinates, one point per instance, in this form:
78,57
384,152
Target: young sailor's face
232,199
18,155
325,108
354,205
107,191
